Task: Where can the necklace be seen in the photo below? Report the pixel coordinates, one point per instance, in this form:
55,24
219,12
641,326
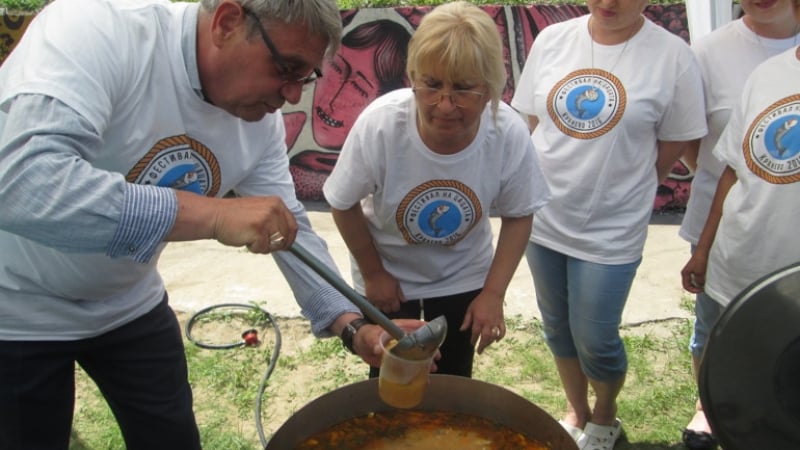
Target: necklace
634,27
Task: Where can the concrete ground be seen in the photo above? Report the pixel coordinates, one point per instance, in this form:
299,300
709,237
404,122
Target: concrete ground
204,273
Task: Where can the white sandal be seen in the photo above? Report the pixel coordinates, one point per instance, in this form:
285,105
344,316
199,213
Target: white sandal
600,437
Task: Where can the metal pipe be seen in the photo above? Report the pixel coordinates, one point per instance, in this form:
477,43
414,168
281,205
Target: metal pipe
362,303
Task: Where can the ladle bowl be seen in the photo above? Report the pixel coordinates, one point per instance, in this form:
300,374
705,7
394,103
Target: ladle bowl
423,342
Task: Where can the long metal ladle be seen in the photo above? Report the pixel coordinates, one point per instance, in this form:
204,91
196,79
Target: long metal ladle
420,344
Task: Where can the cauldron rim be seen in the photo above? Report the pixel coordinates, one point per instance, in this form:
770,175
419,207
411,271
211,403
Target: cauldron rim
444,393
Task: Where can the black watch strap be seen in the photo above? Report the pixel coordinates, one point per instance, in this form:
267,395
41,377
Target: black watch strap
349,332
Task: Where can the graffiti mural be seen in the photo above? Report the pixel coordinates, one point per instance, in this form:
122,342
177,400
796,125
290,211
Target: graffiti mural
371,61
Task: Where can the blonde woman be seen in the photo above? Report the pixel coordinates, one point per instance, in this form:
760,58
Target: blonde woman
418,176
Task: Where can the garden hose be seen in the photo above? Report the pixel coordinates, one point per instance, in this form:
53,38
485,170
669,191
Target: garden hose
249,338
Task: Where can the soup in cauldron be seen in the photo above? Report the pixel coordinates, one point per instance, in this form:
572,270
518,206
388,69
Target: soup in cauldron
419,430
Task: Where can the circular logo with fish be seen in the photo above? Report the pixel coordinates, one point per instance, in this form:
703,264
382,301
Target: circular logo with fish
772,143
179,162
439,212
587,103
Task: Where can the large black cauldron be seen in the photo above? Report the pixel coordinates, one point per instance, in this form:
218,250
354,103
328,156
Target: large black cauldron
444,393
750,373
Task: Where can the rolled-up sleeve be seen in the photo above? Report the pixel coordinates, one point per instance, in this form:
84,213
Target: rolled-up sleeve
53,195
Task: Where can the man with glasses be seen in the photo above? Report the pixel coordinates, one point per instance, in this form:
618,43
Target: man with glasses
418,176
122,127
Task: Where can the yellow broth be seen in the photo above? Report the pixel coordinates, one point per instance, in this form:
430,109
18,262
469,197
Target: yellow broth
419,430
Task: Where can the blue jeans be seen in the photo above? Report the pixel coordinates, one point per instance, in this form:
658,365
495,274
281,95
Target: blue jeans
139,367
706,313
581,305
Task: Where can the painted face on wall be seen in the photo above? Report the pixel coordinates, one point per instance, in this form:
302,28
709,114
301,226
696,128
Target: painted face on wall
370,63
348,86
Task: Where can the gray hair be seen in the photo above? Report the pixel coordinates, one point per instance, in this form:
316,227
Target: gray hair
321,17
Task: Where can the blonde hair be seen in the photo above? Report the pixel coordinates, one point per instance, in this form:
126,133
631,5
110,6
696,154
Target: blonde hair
459,42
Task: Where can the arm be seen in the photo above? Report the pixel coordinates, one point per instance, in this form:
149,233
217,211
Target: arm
690,156
98,211
381,287
669,152
327,309
51,194
693,274
533,121
486,311
247,221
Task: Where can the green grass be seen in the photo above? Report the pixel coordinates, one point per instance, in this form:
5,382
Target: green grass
22,5
656,402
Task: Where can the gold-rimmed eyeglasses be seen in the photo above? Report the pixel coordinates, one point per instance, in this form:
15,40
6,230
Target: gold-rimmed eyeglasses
462,98
283,67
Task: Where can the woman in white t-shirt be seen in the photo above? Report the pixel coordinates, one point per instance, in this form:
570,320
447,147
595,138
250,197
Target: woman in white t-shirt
767,29
418,176
613,100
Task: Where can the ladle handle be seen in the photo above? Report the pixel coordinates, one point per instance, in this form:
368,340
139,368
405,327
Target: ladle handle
365,306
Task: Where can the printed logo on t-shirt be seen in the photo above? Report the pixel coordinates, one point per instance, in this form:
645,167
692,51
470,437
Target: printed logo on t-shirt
772,144
587,103
438,212
179,162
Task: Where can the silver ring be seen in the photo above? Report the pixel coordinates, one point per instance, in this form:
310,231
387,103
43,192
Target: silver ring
275,240
496,331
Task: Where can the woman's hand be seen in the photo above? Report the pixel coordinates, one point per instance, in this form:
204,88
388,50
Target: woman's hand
383,290
485,320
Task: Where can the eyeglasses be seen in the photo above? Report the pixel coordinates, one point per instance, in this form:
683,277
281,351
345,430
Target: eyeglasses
283,67
462,98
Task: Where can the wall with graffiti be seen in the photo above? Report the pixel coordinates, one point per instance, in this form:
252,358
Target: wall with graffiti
371,62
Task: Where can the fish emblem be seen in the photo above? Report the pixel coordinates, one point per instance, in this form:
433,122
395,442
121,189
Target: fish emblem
589,95
781,132
440,211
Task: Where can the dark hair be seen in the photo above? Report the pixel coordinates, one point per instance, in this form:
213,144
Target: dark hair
391,40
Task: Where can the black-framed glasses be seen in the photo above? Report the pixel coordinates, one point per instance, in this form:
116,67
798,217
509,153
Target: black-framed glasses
462,98
283,67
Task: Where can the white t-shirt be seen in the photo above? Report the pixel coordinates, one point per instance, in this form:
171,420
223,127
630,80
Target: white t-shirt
758,230
726,58
122,66
597,132
429,213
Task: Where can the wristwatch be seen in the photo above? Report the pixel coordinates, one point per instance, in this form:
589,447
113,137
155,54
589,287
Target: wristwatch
350,331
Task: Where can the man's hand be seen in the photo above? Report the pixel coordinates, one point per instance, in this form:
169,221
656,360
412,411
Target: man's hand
262,224
367,342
